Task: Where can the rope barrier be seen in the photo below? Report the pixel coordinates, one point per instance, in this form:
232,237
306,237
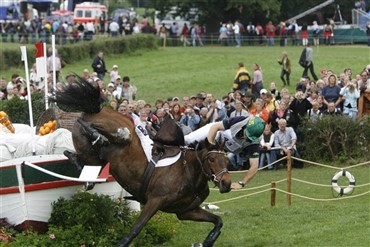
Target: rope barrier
326,185
254,188
322,200
298,180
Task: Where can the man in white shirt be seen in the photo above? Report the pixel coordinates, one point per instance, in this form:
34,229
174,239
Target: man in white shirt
114,28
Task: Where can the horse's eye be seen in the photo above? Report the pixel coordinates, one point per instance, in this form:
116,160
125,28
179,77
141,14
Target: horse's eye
212,159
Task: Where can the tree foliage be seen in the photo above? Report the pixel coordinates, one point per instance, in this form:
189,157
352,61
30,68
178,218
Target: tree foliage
215,11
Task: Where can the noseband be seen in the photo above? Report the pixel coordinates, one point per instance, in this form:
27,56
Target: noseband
214,175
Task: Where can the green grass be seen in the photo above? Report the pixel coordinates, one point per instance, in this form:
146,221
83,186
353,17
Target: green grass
169,72
251,221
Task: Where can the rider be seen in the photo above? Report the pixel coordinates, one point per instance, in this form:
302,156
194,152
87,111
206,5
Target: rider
241,134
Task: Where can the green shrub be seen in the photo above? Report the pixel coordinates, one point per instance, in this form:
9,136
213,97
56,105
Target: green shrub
335,138
78,51
17,109
95,220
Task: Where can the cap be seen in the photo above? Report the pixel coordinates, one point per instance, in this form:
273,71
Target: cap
175,98
193,97
118,77
254,128
96,79
263,90
196,108
110,85
86,71
115,66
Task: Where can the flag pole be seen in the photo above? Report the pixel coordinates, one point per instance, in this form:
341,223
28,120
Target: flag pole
54,72
24,58
46,78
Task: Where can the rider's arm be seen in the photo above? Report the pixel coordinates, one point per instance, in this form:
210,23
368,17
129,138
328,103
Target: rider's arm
213,131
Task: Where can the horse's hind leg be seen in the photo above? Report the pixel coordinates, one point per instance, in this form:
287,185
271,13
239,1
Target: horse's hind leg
150,209
200,214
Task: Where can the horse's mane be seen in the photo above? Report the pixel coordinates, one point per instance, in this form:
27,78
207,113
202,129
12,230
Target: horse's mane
80,96
169,133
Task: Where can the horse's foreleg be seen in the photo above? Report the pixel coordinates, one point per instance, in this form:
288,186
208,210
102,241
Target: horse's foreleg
146,214
199,214
92,134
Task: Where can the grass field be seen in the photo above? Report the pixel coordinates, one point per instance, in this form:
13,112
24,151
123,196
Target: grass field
251,221
169,72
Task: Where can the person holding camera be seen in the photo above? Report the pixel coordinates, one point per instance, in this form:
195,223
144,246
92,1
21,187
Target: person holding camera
350,95
191,117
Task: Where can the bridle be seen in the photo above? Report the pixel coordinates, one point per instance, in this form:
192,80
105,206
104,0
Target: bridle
213,175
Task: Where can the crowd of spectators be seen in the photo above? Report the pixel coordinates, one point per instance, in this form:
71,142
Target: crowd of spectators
329,95
230,34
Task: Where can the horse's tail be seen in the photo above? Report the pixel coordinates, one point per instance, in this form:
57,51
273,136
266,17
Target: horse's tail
80,96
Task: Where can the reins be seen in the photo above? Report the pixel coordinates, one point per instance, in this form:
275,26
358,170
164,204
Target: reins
213,176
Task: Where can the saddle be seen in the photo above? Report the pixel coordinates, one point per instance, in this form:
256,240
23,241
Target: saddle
167,141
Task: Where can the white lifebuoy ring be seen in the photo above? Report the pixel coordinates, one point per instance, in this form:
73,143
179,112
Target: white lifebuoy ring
340,190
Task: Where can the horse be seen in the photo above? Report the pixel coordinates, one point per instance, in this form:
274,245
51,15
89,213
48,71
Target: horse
102,135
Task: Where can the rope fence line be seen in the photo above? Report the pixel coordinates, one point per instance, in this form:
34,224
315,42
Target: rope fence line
238,197
332,167
254,188
326,185
322,200
273,189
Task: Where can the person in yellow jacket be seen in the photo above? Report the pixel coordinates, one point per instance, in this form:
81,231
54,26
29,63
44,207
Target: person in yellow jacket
242,79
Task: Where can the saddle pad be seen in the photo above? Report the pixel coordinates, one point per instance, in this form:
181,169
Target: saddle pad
168,161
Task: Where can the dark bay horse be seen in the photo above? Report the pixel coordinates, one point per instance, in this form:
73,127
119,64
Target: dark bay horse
102,135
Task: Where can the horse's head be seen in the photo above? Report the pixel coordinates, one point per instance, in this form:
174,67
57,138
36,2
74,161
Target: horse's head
214,163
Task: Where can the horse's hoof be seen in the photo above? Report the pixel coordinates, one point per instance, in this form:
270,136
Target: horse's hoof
89,186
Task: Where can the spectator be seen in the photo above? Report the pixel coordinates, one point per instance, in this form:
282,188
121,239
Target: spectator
315,30
273,90
267,142
294,29
250,33
351,95
185,35
239,110
113,28
332,110
113,74
314,113
270,33
58,63
242,79
270,102
308,63
331,92
282,113
128,91
285,69
98,65
300,105
260,110
163,34
236,29
227,105
174,30
190,118
223,34
248,101
285,139
368,33
175,112
257,80
304,34
204,120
